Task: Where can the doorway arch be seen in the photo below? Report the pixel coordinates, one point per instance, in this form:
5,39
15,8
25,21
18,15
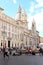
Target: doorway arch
8,43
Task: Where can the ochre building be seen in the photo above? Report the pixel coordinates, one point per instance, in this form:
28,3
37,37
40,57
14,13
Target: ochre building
14,32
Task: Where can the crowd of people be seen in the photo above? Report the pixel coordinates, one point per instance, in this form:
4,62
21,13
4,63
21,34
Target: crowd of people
8,51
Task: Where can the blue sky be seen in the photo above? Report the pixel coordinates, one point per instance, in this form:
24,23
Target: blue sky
33,8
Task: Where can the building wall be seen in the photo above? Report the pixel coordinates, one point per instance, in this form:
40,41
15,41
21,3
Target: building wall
16,32
41,39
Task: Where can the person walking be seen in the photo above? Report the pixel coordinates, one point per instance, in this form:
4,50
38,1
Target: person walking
5,52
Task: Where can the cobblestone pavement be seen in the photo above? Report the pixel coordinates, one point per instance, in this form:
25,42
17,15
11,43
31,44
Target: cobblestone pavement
21,60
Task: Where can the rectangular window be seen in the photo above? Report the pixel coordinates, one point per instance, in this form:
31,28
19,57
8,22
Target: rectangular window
15,36
21,37
4,25
4,34
12,35
12,28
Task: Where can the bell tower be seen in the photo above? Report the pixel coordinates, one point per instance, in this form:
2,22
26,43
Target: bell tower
19,13
33,27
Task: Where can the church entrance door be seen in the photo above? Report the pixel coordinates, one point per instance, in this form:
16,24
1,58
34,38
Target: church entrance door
9,43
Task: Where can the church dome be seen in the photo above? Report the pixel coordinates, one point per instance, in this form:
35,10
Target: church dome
18,14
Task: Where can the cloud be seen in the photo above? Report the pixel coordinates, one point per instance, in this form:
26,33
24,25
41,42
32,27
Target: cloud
14,1
38,19
36,12
40,3
31,10
36,7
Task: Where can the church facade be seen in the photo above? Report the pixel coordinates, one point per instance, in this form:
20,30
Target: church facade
14,32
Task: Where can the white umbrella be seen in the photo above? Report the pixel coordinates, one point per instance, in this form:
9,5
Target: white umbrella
41,45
